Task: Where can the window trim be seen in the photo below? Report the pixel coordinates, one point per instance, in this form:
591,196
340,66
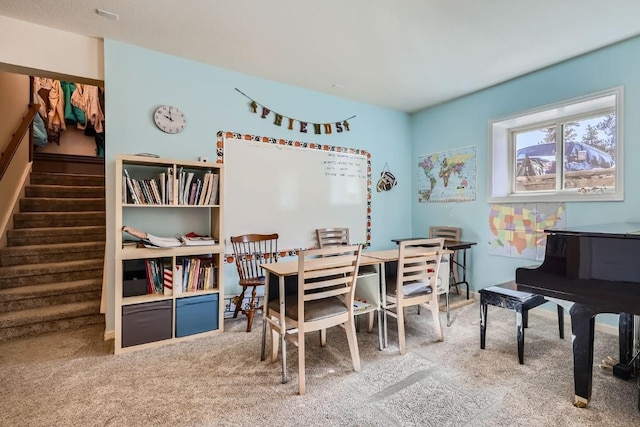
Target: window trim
500,179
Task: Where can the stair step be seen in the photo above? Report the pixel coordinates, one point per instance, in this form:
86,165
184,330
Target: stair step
49,319
59,252
26,275
47,178
64,191
28,297
52,235
51,270
58,219
46,204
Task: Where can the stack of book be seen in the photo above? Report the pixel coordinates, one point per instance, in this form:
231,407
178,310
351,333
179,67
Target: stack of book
194,274
194,190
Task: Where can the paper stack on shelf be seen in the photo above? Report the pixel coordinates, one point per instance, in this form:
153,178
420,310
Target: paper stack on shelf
161,242
360,305
193,239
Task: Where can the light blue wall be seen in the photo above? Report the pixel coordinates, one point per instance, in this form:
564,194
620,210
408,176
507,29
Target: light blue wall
464,122
138,80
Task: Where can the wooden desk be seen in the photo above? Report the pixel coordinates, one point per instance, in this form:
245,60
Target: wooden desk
453,245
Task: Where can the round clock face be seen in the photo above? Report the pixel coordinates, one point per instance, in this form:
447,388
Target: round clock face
169,119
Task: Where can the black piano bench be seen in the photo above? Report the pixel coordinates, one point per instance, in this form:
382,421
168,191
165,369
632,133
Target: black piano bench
506,295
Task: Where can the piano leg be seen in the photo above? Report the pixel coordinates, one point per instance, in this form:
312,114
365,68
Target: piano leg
582,327
623,369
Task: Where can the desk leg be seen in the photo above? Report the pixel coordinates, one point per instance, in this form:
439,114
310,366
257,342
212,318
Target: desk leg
283,329
464,270
265,309
383,292
455,264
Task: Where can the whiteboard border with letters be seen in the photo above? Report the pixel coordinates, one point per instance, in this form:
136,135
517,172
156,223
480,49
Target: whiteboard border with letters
255,184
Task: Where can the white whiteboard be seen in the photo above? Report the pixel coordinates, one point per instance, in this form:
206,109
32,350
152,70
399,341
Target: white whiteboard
292,188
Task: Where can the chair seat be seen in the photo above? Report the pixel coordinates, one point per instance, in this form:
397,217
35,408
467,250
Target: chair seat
258,281
314,310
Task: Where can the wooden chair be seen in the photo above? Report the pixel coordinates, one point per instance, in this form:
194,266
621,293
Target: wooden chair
417,274
250,251
326,282
339,236
449,233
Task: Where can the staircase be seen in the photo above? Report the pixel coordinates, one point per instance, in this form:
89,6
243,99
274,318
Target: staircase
51,269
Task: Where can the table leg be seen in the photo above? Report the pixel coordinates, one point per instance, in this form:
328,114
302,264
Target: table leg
283,329
264,318
383,292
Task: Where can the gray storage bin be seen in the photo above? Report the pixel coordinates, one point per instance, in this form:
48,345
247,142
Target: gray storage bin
146,322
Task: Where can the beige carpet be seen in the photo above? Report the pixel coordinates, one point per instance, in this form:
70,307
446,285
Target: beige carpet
72,379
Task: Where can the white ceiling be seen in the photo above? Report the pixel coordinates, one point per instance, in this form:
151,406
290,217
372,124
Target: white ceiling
401,54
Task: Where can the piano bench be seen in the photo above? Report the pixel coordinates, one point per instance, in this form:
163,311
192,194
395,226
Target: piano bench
506,295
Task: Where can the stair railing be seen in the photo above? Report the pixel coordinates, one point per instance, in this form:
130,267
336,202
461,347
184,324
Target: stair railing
17,138
15,160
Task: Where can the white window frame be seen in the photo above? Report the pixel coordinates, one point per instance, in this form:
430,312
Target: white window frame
501,151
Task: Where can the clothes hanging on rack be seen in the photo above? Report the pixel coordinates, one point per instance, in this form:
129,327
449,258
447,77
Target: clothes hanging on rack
63,103
72,113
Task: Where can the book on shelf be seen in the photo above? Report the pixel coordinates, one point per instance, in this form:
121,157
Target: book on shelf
195,274
213,198
206,185
131,187
186,189
155,276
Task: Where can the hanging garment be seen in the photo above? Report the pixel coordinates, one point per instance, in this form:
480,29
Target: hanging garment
86,98
41,88
72,114
55,116
40,138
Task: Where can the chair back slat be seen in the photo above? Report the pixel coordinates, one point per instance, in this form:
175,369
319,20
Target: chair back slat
251,250
448,233
418,264
328,237
328,272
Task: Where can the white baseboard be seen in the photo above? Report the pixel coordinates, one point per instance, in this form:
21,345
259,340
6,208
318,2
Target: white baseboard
109,335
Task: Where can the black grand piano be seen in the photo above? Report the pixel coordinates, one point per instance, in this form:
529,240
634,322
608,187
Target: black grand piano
591,270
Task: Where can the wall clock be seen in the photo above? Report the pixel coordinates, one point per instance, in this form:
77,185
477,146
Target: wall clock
169,119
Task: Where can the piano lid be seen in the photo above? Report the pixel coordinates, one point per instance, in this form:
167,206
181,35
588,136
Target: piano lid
630,230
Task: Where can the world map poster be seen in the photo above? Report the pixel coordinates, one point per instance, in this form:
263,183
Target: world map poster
516,230
448,176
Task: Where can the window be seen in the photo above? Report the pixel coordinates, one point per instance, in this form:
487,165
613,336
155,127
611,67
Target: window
571,151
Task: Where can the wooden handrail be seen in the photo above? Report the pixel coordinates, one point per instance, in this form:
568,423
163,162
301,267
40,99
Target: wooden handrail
14,144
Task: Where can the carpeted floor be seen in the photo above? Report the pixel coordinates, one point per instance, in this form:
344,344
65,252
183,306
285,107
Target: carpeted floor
72,379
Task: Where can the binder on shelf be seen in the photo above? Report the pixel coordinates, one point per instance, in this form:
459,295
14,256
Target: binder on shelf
167,279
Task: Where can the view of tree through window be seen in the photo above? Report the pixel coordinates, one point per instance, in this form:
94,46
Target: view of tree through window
587,151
